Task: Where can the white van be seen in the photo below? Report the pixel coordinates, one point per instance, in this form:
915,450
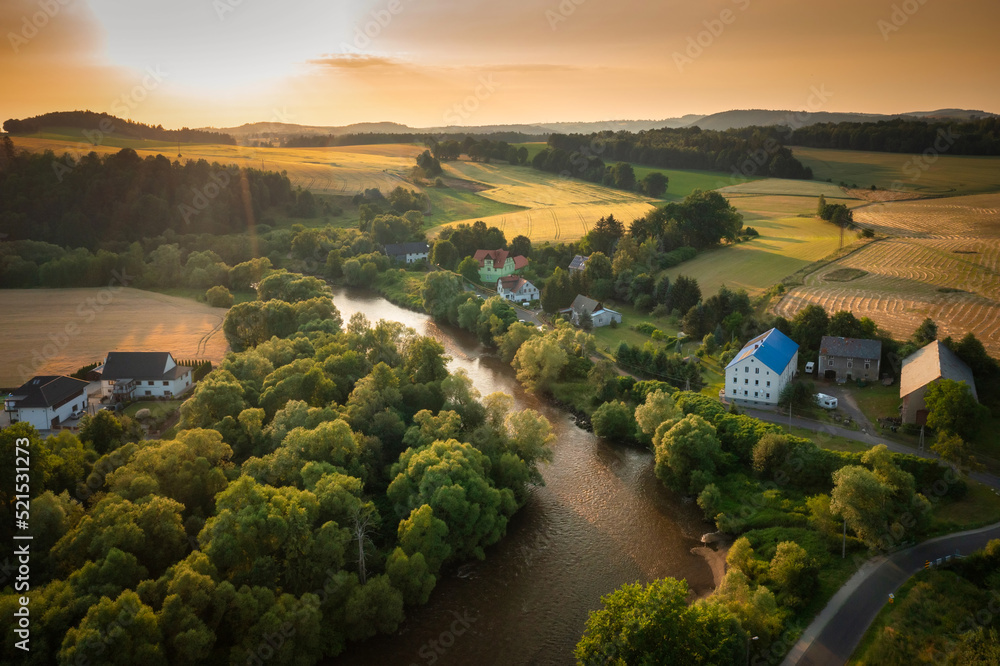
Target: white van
826,401
810,366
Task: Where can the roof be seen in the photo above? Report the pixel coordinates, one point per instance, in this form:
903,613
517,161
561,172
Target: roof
583,304
499,258
773,348
513,283
935,361
850,347
578,263
400,249
135,365
47,391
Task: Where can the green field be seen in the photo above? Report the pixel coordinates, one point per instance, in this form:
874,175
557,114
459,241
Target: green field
683,183
937,175
449,204
786,244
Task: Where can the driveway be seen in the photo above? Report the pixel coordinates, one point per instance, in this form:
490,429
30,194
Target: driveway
831,638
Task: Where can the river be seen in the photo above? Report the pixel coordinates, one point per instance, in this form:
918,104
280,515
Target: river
601,520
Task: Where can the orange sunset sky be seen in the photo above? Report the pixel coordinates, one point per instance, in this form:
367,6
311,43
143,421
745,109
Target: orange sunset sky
331,62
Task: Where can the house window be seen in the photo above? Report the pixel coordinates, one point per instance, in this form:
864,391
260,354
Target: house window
756,382
746,392
755,394
868,365
746,369
166,383
149,393
768,396
829,361
850,364
769,383
756,371
746,381
168,393
149,383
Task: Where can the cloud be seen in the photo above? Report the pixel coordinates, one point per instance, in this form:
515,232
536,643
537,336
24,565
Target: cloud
354,61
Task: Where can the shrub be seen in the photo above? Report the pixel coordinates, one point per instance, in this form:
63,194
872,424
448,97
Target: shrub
219,297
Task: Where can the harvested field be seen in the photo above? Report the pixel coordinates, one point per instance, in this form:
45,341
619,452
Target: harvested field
971,217
57,331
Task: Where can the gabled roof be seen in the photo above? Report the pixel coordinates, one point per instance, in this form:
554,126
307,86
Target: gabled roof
579,262
583,304
499,258
46,391
513,283
935,361
851,348
773,348
520,262
400,249
135,365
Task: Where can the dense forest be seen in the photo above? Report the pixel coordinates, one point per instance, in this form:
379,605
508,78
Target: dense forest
758,151
320,481
123,197
367,138
975,137
108,124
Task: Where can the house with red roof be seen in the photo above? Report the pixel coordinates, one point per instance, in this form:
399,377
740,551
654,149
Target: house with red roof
516,288
495,264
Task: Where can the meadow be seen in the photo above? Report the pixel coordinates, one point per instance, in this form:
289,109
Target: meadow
941,260
57,331
933,174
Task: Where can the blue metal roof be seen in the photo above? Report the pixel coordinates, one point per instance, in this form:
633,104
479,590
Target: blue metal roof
773,348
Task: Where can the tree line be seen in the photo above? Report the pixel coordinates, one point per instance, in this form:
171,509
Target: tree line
900,135
108,124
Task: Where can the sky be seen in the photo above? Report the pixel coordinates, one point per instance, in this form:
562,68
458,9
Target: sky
425,63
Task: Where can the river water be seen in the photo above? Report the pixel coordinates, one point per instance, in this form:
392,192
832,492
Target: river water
601,520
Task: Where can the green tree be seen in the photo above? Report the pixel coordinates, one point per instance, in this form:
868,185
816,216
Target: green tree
925,334
219,297
445,254
809,326
951,407
689,446
654,184
793,573
614,420
658,407
622,176
520,245
654,624
539,362
120,632
469,269
103,431
953,448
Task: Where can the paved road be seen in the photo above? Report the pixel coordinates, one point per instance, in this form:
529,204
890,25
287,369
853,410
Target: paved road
865,437
837,630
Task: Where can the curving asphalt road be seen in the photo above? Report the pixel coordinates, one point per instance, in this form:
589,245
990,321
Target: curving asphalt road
837,630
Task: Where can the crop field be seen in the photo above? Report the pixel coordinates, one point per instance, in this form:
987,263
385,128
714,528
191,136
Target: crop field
935,174
786,187
942,261
791,238
337,170
557,209
57,331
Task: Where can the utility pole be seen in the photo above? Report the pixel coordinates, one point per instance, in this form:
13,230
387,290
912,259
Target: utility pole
843,550
921,438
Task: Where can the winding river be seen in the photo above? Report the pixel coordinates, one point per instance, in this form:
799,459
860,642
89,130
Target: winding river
601,520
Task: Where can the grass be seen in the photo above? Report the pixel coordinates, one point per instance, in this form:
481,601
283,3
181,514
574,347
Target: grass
199,294
158,409
949,175
59,330
877,401
844,274
401,287
827,441
449,204
684,182
979,507
787,243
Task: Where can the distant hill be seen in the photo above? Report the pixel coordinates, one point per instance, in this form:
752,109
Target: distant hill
273,130
740,118
108,125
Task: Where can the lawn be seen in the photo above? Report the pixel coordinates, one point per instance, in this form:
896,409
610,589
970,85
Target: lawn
57,331
791,238
979,507
877,401
684,182
199,294
449,204
947,175
158,409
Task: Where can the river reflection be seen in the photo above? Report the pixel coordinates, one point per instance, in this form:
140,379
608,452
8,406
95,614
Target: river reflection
601,520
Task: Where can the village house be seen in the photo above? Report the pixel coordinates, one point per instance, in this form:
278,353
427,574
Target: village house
407,252
599,315
762,369
845,359
579,264
921,369
46,401
133,375
516,288
495,264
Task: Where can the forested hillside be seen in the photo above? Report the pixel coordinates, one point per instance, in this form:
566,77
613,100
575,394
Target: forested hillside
108,124
977,137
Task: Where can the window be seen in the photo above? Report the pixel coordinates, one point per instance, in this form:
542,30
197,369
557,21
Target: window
149,393
746,392
868,365
850,364
756,382
746,381
768,383
746,369
768,396
830,361
166,383
149,383
755,394
756,371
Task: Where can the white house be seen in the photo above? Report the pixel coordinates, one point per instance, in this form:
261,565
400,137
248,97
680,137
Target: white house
407,252
599,315
133,375
757,375
516,288
47,400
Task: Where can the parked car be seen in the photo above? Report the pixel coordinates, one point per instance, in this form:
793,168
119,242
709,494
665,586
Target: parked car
810,366
826,401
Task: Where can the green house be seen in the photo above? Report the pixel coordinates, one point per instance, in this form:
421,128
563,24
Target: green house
495,264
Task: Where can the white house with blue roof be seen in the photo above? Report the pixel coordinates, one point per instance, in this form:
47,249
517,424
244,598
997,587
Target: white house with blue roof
757,375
